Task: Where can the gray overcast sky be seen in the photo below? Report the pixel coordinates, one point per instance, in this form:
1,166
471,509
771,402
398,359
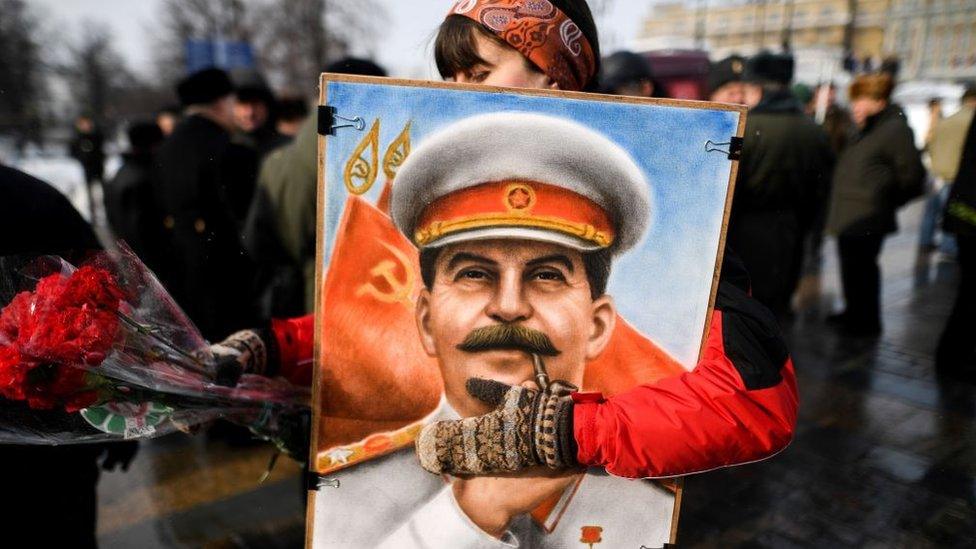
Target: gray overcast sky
403,47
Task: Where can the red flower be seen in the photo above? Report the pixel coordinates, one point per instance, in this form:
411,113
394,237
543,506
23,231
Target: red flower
16,317
53,385
13,373
91,286
48,334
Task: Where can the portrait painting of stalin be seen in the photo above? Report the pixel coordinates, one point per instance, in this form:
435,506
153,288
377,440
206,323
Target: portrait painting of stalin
517,218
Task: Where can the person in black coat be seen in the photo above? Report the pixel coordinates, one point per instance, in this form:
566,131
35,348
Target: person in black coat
955,356
49,497
782,181
128,196
878,172
87,147
202,185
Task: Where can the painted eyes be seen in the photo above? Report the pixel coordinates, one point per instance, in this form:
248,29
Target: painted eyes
543,275
472,274
549,275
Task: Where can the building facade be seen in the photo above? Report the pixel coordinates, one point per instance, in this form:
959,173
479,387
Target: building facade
933,39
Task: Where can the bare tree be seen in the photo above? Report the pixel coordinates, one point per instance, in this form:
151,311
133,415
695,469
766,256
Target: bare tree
292,39
297,38
182,20
23,89
97,74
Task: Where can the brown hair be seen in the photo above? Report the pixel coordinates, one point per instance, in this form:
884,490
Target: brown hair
875,86
455,49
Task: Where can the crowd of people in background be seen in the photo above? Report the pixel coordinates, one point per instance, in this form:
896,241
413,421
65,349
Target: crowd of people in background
217,193
811,166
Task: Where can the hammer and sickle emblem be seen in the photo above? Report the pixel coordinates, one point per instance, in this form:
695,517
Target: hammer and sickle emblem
400,290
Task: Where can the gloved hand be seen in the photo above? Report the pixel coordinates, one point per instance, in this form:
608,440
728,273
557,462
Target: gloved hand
119,454
246,351
528,427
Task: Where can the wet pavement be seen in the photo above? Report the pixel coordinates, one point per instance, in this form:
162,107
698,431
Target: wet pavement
884,455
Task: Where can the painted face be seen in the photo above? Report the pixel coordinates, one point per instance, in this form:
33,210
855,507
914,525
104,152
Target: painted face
733,92
480,285
503,66
864,107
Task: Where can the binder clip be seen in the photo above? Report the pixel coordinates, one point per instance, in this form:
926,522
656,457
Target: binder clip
734,145
329,121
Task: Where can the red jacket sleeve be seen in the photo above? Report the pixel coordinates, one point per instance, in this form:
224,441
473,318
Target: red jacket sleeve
294,340
738,405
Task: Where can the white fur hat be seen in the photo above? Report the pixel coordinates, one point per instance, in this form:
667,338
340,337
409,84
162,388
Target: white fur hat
521,175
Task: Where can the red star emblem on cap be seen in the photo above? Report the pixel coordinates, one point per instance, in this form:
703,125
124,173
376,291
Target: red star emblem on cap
519,198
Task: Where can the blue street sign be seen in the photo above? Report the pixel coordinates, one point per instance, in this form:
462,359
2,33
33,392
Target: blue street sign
224,54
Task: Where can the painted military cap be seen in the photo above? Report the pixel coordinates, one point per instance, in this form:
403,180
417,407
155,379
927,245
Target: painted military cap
525,176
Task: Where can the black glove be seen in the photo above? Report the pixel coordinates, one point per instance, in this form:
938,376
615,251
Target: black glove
119,454
528,427
244,352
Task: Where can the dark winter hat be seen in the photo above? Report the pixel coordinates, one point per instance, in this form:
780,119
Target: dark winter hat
769,67
251,87
622,68
291,109
204,87
355,65
144,135
725,71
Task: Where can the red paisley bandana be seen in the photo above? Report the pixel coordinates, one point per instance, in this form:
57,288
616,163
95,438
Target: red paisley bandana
540,32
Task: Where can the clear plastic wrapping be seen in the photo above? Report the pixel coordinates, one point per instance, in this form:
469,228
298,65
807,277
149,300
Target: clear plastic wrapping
101,352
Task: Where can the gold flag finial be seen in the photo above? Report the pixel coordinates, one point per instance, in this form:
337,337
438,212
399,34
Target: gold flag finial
360,172
397,152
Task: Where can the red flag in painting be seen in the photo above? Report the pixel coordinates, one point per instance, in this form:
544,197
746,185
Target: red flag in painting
376,375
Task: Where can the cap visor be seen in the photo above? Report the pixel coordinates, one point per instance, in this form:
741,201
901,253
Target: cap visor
516,233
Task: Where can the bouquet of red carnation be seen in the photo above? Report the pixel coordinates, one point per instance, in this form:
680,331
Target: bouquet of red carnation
101,352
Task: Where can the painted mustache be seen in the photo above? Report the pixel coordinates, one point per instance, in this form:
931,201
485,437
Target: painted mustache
508,336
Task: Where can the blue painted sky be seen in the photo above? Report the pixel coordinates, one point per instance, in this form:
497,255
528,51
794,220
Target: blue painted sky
662,285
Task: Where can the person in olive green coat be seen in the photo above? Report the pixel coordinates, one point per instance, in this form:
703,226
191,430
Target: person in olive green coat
878,172
279,233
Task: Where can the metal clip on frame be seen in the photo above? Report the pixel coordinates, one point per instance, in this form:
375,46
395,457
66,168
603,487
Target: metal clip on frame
314,481
329,118
734,144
